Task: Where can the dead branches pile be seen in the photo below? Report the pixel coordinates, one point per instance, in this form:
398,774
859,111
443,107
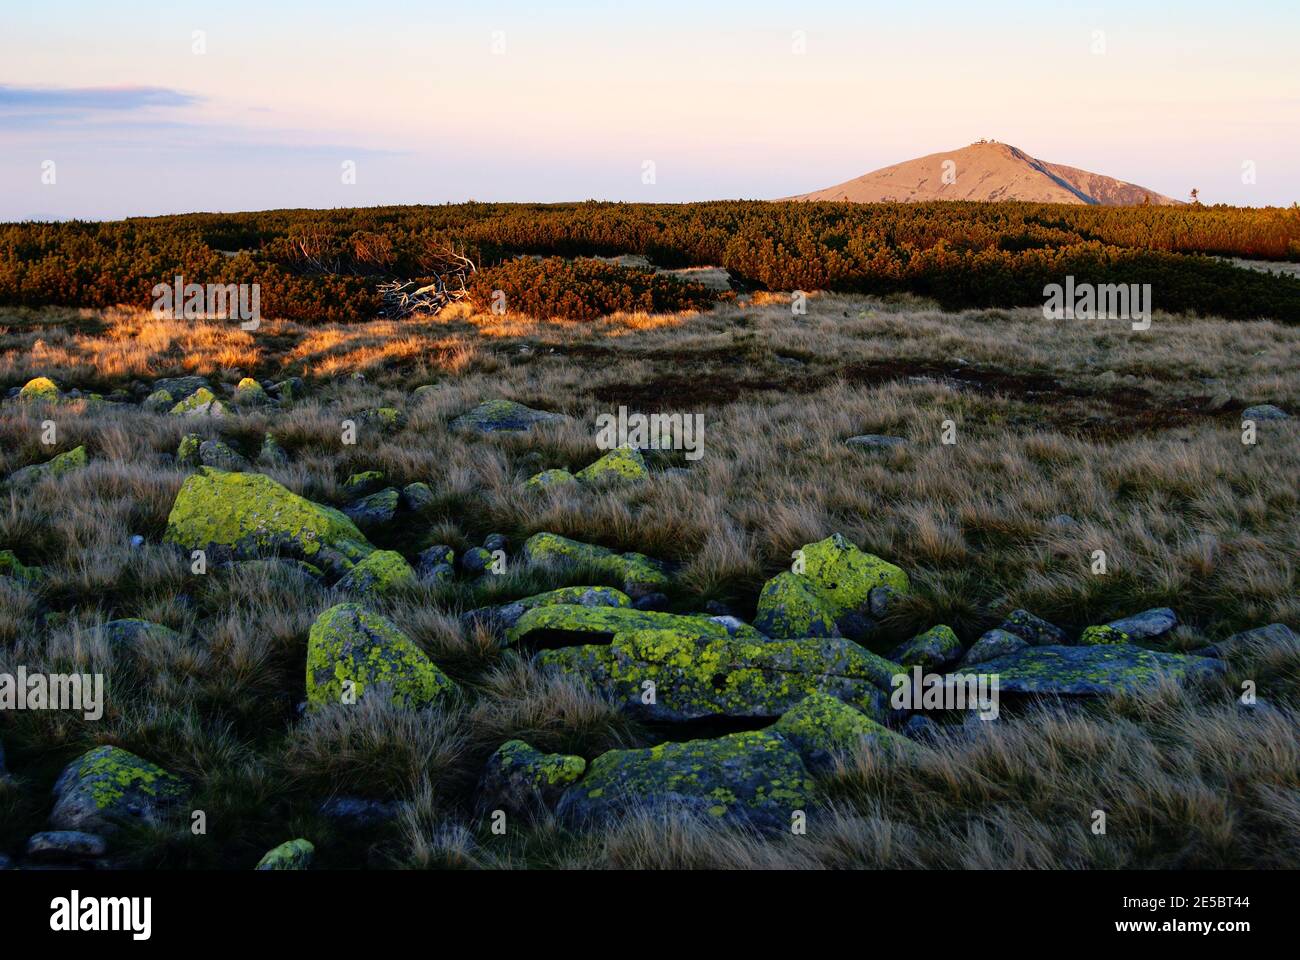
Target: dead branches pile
405,298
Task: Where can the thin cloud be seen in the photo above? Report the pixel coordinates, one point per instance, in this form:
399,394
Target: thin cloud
85,100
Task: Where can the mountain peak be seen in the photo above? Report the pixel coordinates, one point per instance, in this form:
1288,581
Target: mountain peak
987,170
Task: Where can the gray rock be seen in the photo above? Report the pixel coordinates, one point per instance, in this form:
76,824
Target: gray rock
1264,411
130,633
181,387
993,644
1274,636
876,441
375,510
216,453
496,541
418,496
1062,520
109,787
66,845
1033,630
881,599
476,561
524,782
359,813
755,778
1147,624
493,416
935,649
272,454
651,601
1092,670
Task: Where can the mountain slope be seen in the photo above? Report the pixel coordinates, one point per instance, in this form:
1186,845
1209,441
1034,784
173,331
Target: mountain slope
987,171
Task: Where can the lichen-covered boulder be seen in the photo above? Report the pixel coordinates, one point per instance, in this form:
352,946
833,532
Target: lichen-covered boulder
493,416
993,644
58,466
201,403
181,387
847,575
523,781
39,390
549,478
187,451
935,649
11,566
665,667
1091,669
508,614
418,496
622,465
248,515
1035,631
352,653
640,574
1275,636
1093,636
823,727
755,778
160,401
476,561
380,573
791,605
435,563
108,788
249,393
363,483
1146,625
290,855
375,510
218,454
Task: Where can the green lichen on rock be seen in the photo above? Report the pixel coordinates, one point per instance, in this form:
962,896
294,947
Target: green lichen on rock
11,566
272,454
352,653
508,614
697,669
61,465
39,390
622,465
290,855
847,575
374,510
822,728
638,572
522,780
384,419
1103,635
187,452
249,393
249,515
160,401
202,402
755,778
791,605
109,787
493,416
362,483
380,573
1092,669
549,478
937,647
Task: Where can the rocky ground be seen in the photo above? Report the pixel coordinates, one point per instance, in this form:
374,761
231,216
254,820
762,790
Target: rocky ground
373,595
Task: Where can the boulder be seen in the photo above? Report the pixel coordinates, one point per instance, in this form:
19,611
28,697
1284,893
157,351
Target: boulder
875,441
380,573
290,855
494,416
65,846
1092,669
418,497
1264,411
347,644
129,633
39,390
108,787
639,573
375,510
935,649
847,575
476,561
435,563
201,403
187,451
754,778
272,454
523,781
507,615
823,728
384,419
1146,625
1094,636
623,465
249,393
362,484
549,478
1035,631
246,515
791,605
218,454
59,466
160,401
993,644
695,667
1275,636
181,387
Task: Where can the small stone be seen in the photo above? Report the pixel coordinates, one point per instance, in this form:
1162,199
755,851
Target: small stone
290,855
1033,630
418,497
362,484
160,401
376,510
380,573
249,393
436,556
993,644
1264,411
1146,625
550,478
216,453
496,541
493,416
1093,636
623,465
876,441
476,561
66,845
358,813
187,452
64,463
935,649
202,403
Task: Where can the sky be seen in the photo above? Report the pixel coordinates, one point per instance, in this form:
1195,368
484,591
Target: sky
134,108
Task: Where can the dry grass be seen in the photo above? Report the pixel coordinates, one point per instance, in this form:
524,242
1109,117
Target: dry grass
1135,435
